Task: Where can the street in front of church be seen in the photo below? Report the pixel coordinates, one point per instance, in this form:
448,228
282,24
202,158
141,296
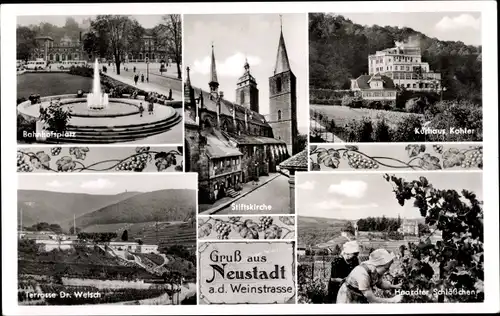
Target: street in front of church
272,189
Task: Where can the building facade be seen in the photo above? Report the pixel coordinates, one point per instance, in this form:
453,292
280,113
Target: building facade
147,50
231,143
403,64
67,49
374,87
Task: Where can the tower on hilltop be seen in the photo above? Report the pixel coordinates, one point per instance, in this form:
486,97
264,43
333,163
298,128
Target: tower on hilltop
247,93
283,99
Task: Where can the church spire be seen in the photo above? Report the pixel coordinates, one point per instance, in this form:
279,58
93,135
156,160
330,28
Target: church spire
214,84
282,63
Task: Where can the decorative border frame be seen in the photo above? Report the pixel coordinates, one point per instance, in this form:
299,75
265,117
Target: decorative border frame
37,160
246,227
420,157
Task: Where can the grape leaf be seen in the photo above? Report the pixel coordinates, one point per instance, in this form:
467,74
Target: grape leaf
414,150
287,220
429,162
42,160
452,157
65,164
352,147
79,152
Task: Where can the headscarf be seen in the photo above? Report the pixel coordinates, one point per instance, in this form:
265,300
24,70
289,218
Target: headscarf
380,257
350,247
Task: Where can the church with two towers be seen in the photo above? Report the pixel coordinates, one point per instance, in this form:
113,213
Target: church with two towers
229,143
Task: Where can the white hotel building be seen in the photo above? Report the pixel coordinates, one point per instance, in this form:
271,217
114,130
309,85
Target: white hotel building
403,64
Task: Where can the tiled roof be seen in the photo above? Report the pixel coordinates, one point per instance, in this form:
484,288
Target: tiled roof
244,139
297,162
227,108
218,148
363,81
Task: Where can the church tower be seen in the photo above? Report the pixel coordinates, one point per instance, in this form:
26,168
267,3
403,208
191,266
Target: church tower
247,93
283,99
213,84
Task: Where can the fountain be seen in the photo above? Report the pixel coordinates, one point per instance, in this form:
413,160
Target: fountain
101,119
97,100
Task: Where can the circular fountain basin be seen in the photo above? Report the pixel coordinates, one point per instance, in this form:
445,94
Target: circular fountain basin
119,122
79,108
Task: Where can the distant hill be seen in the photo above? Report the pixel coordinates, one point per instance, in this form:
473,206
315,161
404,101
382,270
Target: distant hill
59,207
317,230
339,49
162,205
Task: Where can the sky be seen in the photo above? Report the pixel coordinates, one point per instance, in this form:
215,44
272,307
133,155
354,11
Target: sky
353,196
254,36
447,26
107,184
147,21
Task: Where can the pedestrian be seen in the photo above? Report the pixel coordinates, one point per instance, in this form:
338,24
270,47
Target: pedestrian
136,78
147,79
358,286
141,109
151,107
341,266
142,78
134,69
169,94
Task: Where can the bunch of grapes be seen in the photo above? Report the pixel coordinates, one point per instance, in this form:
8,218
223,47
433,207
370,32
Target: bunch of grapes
473,158
135,163
358,161
22,165
54,151
438,148
222,229
265,222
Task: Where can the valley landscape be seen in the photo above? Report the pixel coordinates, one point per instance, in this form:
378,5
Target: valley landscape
124,248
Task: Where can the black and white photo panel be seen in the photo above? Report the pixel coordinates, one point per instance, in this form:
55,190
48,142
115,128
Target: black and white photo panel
106,239
99,79
395,77
396,237
246,110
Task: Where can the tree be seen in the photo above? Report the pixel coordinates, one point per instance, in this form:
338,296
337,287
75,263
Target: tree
348,227
170,33
26,43
115,31
73,232
56,118
301,142
459,256
125,235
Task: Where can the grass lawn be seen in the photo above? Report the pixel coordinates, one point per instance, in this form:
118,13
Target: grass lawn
47,84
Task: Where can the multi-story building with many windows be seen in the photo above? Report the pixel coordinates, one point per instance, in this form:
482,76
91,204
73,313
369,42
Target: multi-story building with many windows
403,64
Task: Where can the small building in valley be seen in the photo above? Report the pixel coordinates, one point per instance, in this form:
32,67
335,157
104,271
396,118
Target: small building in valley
374,87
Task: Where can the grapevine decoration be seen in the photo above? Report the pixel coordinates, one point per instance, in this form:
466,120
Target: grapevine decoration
265,228
420,158
74,161
453,266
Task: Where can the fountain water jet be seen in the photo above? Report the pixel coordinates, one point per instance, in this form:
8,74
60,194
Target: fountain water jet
97,100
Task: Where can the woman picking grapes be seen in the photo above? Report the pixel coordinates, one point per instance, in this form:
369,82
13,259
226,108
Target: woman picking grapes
358,286
342,265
